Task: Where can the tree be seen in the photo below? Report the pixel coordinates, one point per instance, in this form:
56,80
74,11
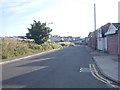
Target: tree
39,32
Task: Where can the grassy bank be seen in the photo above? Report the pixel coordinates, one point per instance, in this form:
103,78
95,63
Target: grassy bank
13,48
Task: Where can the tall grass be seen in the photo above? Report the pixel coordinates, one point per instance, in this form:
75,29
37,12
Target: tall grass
12,47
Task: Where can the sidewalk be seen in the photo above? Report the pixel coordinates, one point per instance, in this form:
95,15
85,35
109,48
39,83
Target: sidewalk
107,64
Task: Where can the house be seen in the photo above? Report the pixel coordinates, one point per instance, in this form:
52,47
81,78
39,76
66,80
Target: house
112,38
55,38
94,40
85,42
101,37
89,39
68,38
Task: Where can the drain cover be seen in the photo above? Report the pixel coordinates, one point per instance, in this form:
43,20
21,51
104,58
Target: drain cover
84,70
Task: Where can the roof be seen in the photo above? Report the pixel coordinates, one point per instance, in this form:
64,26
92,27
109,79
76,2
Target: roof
116,24
114,31
105,28
90,33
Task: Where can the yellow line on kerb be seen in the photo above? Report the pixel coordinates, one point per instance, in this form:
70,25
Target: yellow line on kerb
96,75
99,75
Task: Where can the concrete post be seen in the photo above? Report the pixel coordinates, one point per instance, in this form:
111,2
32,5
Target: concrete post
119,31
118,41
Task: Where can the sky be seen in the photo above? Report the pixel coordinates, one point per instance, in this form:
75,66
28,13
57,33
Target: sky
69,17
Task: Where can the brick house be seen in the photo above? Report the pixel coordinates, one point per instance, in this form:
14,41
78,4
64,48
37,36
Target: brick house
92,39
89,42
86,41
101,37
55,38
112,38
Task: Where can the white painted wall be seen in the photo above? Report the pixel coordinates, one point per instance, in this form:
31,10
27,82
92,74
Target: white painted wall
55,38
112,29
99,44
99,40
104,43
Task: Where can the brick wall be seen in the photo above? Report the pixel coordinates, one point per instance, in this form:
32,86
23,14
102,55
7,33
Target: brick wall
94,43
112,44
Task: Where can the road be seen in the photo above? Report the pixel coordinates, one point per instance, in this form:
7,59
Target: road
59,69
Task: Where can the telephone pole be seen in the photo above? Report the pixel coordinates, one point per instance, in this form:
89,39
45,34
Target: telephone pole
94,16
119,31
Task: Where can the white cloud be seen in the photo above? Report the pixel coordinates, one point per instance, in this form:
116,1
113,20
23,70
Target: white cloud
22,5
72,17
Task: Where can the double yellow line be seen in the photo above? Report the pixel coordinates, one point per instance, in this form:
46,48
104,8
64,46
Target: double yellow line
99,77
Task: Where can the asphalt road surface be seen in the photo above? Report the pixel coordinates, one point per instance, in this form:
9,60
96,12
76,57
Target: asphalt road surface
59,69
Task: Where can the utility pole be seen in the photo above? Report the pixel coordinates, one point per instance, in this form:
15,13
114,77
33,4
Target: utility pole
94,16
119,31
94,44
119,42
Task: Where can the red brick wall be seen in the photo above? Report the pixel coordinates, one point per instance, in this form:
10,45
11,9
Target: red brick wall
94,43
90,42
112,44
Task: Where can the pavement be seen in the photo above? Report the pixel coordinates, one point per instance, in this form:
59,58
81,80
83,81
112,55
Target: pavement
107,64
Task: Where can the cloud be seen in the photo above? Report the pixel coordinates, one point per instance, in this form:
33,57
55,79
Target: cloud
22,5
77,17
69,16
72,16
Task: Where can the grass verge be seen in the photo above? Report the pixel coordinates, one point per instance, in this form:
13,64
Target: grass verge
13,48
